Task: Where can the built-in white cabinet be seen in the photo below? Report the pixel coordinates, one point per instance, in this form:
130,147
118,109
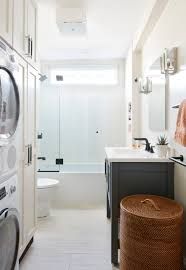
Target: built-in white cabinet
25,29
32,31
27,80
6,17
29,193
18,27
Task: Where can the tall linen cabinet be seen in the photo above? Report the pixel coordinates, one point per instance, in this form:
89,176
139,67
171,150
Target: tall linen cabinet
29,91
18,29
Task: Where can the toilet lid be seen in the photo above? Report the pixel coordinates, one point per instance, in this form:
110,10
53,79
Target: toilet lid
46,182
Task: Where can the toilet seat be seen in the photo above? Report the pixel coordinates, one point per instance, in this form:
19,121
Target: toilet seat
43,183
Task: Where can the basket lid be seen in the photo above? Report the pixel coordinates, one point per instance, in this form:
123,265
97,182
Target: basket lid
151,206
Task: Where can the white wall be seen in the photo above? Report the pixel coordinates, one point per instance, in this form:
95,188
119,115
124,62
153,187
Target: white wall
133,71
169,32
128,96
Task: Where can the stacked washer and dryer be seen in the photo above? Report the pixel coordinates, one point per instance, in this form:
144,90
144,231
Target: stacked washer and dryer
9,148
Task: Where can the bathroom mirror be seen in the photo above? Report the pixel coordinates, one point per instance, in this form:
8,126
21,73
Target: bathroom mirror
157,98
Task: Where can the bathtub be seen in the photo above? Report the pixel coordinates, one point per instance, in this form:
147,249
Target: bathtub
81,186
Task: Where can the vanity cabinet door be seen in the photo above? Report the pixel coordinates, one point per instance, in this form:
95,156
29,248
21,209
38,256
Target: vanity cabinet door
130,178
146,178
6,16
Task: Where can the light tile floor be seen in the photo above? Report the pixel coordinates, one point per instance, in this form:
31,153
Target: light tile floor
71,240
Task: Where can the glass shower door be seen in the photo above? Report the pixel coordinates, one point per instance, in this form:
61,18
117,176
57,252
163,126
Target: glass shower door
49,128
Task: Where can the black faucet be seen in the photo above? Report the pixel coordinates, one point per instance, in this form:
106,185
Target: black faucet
147,148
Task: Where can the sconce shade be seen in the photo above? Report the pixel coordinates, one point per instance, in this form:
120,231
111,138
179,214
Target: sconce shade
169,61
145,85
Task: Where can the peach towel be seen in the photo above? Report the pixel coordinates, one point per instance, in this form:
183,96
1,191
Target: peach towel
180,134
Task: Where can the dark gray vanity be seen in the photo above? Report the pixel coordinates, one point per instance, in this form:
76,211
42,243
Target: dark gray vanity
126,178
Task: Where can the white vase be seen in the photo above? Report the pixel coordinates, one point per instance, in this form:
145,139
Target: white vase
161,150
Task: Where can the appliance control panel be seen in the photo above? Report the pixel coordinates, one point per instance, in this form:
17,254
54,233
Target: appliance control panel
3,193
12,189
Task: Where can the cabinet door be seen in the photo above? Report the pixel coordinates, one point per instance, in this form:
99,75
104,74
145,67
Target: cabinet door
30,169
180,191
19,26
21,79
180,184
32,30
6,15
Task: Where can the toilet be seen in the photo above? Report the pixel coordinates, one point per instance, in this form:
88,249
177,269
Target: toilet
44,188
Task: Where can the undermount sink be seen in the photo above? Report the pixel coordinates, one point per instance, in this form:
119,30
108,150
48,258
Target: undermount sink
122,151
126,154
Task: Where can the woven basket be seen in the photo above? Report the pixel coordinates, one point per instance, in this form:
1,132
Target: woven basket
151,233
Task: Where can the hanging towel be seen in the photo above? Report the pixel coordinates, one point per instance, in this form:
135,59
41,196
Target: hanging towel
180,134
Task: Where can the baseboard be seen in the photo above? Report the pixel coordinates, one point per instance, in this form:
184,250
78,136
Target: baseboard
26,249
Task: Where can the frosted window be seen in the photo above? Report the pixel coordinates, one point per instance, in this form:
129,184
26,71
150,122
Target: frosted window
105,75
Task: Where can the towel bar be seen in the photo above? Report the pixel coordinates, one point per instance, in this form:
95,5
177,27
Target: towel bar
175,107
179,160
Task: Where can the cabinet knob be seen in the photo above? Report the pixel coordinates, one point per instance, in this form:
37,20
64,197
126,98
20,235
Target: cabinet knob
12,189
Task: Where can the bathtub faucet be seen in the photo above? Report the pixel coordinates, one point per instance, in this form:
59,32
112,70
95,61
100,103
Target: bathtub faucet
41,158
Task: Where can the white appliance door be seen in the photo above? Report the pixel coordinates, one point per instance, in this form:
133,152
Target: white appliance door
9,239
9,104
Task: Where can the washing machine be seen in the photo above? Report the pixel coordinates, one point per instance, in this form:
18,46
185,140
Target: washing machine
9,224
9,111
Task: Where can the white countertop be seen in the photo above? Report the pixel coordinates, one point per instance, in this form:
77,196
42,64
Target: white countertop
126,154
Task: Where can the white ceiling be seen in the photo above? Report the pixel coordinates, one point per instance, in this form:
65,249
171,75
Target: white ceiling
111,25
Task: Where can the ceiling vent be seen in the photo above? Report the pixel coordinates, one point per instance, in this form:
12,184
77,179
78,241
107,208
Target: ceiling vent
71,21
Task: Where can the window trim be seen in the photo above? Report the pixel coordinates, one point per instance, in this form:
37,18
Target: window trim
58,71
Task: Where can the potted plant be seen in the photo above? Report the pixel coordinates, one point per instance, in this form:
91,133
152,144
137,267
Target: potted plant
162,146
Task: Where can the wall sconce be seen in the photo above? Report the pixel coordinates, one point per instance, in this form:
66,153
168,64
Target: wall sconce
144,85
168,61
